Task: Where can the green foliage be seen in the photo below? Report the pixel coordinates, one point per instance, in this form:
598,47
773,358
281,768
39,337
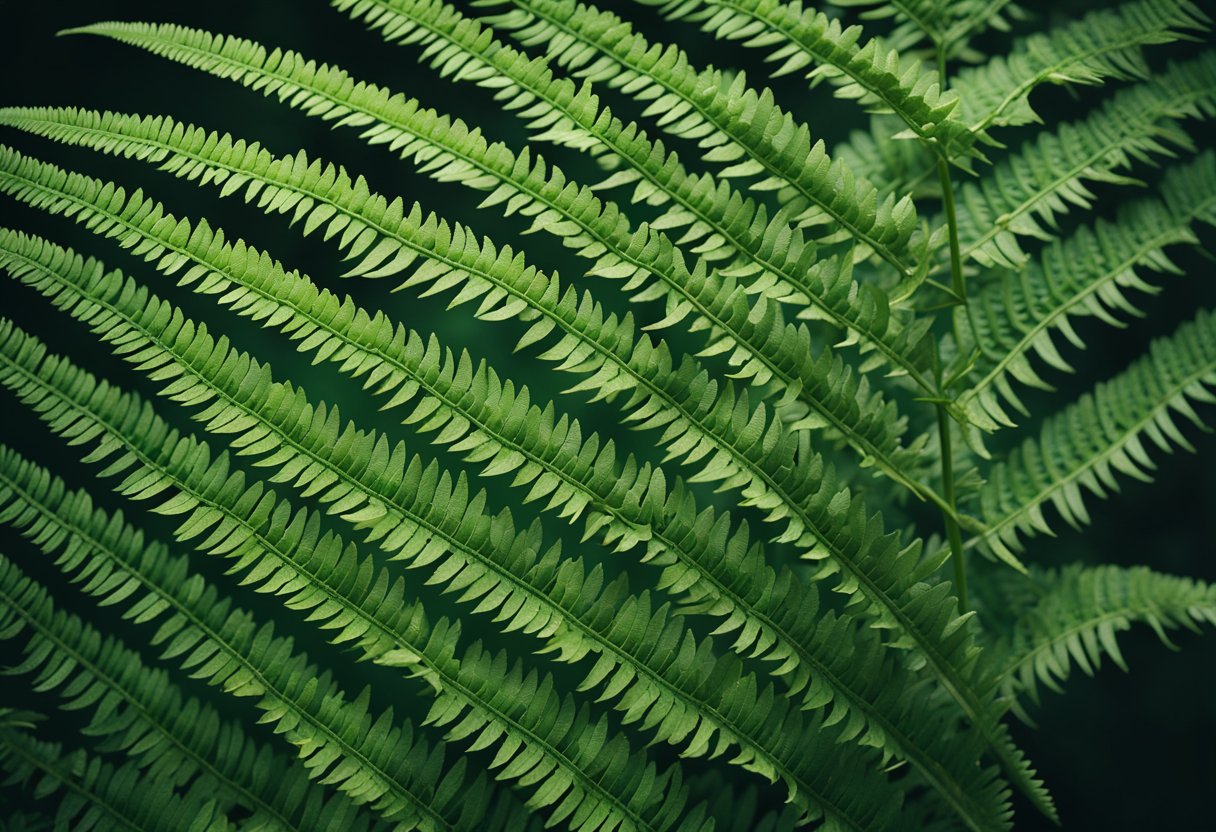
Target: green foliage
795,362
1082,447
1075,617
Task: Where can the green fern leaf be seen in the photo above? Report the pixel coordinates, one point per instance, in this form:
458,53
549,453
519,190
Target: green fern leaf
872,74
141,712
1082,448
594,345
1107,43
458,398
1089,273
571,115
1027,191
450,152
766,728
94,795
765,443
1078,615
920,621
579,762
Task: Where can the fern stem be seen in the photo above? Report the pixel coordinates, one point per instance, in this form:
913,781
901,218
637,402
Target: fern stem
953,533
957,284
959,288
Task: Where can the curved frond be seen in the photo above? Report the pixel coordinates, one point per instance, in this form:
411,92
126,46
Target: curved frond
772,622
784,263
340,743
819,190
385,238
872,74
470,407
141,712
575,616
724,619
257,286
1020,315
576,759
1083,447
1105,44
1078,615
93,795
571,115
1025,192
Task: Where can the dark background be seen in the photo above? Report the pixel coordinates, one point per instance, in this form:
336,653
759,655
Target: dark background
1119,751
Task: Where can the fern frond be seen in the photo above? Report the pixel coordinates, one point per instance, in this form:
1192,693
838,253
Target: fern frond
731,591
465,405
114,562
1084,446
543,737
93,795
1105,44
820,190
141,712
664,393
604,49
1026,192
925,623
1090,273
947,26
874,75
705,207
260,287
1077,618
568,608
450,152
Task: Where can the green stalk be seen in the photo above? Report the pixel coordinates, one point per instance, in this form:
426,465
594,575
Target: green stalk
957,284
959,288
953,533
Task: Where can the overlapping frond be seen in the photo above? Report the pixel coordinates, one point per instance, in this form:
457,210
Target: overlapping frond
874,75
948,26
882,710
113,561
921,622
783,262
1020,315
369,758
386,238
93,795
1078,614
1023,194
707,208
576,618
733,584
1104,44
139,711
703,206
578,765
1083,447
604,49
